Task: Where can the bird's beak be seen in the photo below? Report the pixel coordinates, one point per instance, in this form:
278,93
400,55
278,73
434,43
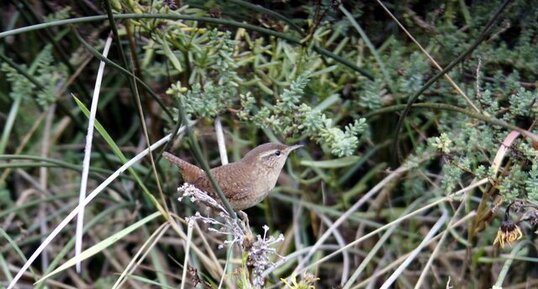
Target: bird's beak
294,147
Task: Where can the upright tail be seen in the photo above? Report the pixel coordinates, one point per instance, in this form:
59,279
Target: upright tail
189,171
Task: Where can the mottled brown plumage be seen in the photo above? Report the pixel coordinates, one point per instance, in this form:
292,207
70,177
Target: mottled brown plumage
246,182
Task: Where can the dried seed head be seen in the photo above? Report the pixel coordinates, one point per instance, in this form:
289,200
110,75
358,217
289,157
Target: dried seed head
508,233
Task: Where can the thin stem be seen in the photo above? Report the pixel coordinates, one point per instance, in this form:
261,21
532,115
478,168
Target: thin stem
97,54
198,154
87,153
442,106
370,46
269,12
449,79
412,99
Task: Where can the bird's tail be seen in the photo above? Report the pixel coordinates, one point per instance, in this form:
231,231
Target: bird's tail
189,171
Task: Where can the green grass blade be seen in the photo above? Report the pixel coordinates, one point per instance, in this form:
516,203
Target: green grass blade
102,131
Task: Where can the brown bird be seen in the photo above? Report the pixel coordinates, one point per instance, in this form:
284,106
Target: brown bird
246,182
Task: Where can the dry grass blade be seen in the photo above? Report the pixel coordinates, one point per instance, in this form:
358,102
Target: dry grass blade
87,200
221,142
101,245
141,254
393,175
399,220
187,250
415,252
88,150
437,249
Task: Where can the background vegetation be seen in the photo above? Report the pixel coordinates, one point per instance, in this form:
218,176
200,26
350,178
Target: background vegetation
420,166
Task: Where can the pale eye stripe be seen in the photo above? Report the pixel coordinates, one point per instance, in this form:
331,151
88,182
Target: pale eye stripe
269,153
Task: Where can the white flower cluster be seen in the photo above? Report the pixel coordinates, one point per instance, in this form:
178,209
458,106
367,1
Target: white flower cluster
259,251
259,256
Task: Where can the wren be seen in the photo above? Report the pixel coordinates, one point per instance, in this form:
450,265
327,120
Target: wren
246,182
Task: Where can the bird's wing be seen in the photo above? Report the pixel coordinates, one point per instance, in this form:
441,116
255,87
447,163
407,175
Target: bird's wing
231,184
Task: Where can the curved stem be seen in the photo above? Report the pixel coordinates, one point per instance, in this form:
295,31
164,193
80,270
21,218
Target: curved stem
448,107
218,21
270,12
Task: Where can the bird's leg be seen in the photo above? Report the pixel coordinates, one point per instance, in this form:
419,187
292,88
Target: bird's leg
244,218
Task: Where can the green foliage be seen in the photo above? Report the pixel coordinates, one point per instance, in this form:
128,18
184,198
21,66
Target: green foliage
524,103
371,94
442,143
21,87
512,187
531,182
50,76
288,116
214,87
413,73
47,74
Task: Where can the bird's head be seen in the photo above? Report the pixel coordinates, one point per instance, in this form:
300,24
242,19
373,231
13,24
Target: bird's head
270,156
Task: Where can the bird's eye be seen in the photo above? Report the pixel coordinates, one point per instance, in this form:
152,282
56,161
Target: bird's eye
277,153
